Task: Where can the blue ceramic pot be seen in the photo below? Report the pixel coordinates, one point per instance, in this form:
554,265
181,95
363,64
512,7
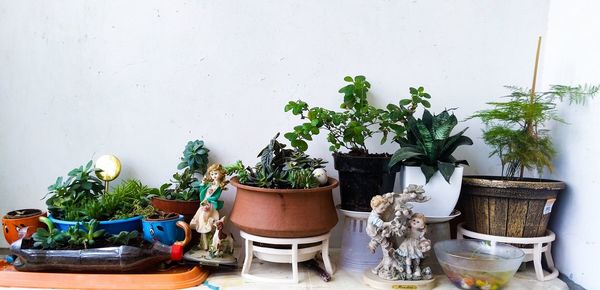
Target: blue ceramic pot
111,227
165,231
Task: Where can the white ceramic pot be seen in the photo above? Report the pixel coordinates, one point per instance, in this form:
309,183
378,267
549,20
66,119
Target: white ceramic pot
444,195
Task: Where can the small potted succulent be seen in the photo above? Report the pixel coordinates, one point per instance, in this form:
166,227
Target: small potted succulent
162,226
15,220
512,204
81,198
363,174
281,196
426,153
84,247
180,195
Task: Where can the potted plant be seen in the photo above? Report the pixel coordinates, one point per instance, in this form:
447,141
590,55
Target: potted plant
81,198
15,220
86,248
426,153
280,196
163,227
180,195
516,129
362,174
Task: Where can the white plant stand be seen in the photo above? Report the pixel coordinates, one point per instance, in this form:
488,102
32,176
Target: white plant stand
540,245
355,255
277,255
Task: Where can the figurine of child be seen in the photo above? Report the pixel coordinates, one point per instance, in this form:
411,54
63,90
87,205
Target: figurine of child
378,229
413,245
210,189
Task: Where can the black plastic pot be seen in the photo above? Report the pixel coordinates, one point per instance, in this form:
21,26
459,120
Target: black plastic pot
361,178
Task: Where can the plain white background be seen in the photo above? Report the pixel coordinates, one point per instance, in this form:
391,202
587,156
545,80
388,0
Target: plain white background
139,79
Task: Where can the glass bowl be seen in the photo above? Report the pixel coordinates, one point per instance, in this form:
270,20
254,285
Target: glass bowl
476,264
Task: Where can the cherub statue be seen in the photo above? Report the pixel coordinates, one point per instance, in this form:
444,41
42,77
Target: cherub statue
401,263
210,190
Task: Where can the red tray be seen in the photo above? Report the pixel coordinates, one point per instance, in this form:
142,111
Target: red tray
175,278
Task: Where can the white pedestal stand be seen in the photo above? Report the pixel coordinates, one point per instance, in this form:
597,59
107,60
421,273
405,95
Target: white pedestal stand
355,255
277,255
540,245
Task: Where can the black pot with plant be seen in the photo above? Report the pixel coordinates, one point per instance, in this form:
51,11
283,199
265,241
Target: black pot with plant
362,173
180,195
516,129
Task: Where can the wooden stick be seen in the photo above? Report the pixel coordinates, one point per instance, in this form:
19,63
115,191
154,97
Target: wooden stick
535,69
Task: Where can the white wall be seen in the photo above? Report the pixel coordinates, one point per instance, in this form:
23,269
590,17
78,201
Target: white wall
571,57
79,79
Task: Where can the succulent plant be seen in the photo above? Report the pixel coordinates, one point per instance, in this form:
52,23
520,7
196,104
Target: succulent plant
195,157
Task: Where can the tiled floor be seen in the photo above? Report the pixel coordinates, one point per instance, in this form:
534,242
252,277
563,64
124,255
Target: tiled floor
344,280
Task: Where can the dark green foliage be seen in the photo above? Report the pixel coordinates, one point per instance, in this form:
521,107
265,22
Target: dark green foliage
358,121
195,157
48,238
516,129
278,168
428,144
80,187
194,161
124,238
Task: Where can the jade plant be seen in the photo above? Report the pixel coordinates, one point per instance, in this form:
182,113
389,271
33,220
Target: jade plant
429,145
279,167
517,131
194,161
358,120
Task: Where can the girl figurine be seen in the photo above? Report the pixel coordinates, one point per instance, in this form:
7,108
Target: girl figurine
210,189
413,245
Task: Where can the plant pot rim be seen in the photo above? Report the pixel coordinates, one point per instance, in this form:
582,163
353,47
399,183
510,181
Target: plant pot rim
502,182
331,184
109,222
11,216
415,166
179,216
384,155
175,200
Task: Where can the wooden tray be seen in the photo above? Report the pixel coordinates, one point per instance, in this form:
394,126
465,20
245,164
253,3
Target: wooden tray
175,278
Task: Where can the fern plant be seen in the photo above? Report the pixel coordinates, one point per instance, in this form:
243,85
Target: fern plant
428,144
516,129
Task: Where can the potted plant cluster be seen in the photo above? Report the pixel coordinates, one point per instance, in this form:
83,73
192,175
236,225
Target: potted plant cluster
281,196
181,195
516,129
84,247
426,153
363,174
81,198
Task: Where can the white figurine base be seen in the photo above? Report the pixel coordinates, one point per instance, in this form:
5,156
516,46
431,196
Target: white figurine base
376,282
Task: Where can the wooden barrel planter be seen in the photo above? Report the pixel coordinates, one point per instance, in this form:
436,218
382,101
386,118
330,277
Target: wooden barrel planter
498,206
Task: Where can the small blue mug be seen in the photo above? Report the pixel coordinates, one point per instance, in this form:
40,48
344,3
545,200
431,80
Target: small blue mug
164,231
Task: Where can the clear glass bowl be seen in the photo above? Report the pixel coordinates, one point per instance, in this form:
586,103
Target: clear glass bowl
476,264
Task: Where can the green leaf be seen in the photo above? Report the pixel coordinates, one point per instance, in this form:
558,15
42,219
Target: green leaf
300,145
348,79
405,102
403,154
428,171
446,169
426,104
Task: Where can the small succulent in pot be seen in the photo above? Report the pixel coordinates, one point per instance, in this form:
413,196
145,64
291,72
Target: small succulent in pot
428,144
279,168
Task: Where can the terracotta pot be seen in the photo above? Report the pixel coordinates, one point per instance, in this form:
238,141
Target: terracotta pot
186,208
498,206
284,213
15,220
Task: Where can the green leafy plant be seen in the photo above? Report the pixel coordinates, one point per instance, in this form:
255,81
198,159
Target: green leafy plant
358,120
91,234
516,129
80,187
194,160
195,157
428,144
125,238
48,238
278,168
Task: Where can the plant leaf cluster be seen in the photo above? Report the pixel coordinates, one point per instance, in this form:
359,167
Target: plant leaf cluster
194,161
516,129
358,120
428,144
279,167
76,237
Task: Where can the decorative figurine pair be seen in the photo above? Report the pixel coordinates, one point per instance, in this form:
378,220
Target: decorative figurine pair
214,243
400,234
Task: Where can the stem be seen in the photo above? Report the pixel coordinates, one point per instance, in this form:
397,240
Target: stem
529,122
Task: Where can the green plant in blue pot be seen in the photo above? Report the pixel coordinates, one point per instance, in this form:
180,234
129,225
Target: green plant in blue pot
165,227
